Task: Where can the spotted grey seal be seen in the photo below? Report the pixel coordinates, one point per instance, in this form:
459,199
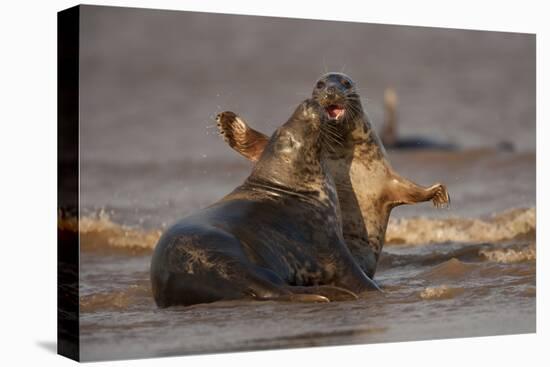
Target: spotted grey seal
368,187
278,236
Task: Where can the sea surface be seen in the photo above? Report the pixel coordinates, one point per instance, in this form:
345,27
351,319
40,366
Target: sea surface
465,271
151,84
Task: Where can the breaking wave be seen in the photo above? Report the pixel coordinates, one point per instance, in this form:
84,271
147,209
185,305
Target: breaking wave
99,232
508,225
508,256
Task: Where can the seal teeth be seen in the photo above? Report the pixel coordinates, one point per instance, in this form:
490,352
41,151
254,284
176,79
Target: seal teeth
335,111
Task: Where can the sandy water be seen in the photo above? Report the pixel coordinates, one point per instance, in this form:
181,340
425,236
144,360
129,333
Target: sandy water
444,275
151,83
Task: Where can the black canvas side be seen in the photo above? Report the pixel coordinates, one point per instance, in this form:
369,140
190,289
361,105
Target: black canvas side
68,22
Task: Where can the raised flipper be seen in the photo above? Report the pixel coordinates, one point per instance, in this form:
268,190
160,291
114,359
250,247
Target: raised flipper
404,191
243,139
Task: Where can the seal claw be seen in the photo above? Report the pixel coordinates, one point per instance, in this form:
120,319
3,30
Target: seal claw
308,298
298,297
441,197
333,293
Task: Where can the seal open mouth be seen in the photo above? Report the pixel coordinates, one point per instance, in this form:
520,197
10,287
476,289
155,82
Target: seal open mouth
335,111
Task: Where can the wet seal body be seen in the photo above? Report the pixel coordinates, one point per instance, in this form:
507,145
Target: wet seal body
276,237
367,186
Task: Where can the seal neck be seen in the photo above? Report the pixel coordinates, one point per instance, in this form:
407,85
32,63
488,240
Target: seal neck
275,189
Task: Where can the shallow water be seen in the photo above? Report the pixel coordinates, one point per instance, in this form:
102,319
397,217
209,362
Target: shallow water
444,275
150,155
431,291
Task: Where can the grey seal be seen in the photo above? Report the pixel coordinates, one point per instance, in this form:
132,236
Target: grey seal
278,236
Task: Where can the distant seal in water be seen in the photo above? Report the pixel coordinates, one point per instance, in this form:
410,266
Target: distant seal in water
390,136
367,186
278,236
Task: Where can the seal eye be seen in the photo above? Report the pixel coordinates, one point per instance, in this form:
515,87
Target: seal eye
320,84
346,83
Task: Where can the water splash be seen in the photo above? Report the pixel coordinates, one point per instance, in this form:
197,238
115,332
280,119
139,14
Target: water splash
440,292
502,226
99,232
509,256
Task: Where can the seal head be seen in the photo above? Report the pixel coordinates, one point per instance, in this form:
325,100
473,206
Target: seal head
337,95
297,144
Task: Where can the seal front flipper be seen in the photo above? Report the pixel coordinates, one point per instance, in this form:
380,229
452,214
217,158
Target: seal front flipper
299,297
404,191
243,139
349,274
333,293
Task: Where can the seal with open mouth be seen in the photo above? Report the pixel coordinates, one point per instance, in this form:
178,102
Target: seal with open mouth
368,188
278,236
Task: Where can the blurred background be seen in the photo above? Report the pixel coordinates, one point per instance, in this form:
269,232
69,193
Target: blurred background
152,82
